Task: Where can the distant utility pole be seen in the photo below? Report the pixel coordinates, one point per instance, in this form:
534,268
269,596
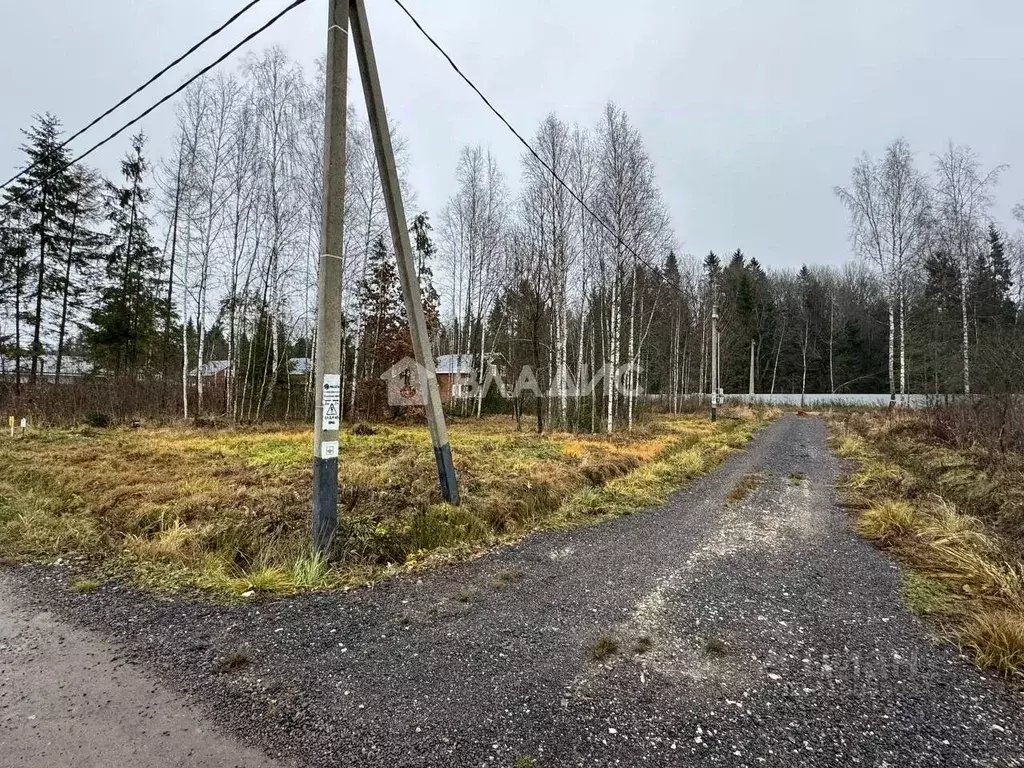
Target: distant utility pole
328,362
714,360
751,366
327,416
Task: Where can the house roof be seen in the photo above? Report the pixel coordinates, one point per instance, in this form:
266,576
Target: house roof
455,364
300,366
69,365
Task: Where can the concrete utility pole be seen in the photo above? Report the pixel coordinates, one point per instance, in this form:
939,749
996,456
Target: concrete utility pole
751,366
714,360
327,416
403,251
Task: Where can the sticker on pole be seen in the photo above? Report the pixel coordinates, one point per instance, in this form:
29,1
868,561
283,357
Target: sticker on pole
331,402
329,449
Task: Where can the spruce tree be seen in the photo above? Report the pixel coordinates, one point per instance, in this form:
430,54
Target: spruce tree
993,284
425,251
76,268
382,311
38,203
123,333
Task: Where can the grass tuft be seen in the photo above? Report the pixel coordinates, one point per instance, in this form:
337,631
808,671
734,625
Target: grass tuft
995,639
716,646
232,662
311,571
605,646
506,576
888,521
84,586
643,644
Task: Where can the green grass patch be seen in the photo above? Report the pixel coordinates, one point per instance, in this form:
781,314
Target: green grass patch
926,595
84,586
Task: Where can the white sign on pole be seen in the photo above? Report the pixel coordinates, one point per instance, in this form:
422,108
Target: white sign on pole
329,449
331,402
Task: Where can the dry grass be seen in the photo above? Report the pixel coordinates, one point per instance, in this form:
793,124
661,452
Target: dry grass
949,517
995,639
745,486
887,521
228,510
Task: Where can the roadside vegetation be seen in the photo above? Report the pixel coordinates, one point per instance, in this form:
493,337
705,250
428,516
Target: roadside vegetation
950,506
227,511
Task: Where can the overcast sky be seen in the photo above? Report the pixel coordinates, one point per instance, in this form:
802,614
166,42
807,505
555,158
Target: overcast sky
752,110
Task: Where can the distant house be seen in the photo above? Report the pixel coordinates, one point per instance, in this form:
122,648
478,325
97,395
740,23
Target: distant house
71,368
300,366
212,369
456,375
218,369
455,378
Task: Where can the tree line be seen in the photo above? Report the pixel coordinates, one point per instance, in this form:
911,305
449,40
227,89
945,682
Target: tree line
186,287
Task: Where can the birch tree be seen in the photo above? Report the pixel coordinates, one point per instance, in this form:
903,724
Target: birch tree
963,196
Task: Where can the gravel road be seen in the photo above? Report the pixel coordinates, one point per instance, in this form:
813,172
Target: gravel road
750,632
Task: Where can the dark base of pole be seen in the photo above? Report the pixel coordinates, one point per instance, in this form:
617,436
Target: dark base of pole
714,414
446,474
325,503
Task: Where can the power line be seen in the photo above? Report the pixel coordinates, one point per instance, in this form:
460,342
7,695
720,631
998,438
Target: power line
529,148
166,98
140,89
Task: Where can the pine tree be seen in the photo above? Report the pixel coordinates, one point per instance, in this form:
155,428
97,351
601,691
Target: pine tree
123,333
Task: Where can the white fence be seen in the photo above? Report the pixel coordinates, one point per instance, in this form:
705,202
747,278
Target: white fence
822,400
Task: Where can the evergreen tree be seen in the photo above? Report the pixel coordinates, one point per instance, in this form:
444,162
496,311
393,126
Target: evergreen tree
75,271
39,203
712,267
123,333
386,337
993,285
425,252
671,270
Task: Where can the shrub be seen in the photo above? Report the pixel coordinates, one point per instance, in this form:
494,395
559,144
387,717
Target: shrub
97,419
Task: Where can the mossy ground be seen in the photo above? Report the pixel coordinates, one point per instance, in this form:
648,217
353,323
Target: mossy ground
228,510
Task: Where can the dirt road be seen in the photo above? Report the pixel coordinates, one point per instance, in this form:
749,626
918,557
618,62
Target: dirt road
738,631
68,699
